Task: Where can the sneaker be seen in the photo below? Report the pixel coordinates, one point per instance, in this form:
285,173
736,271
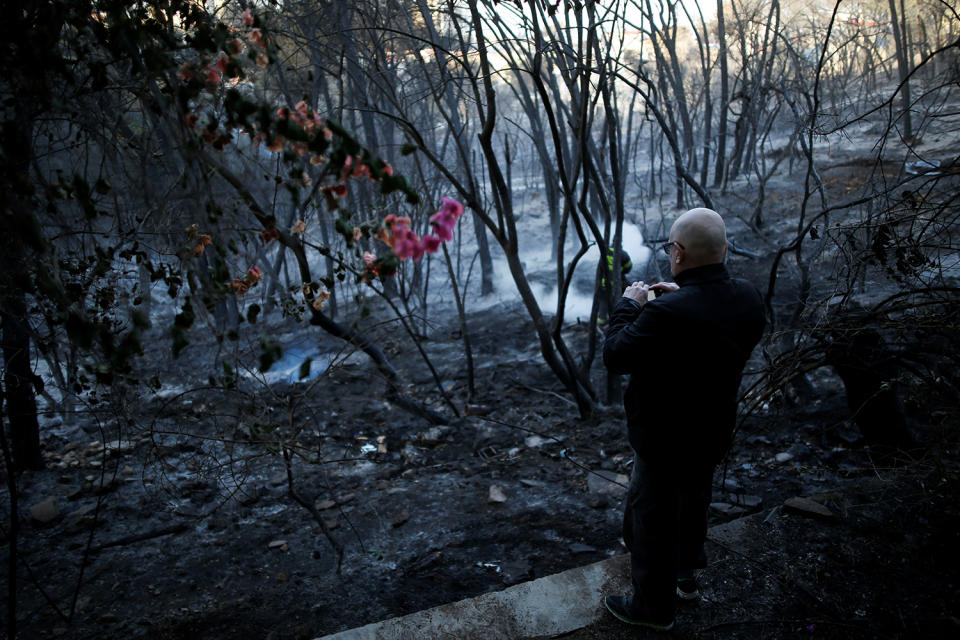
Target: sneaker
687,589
620,607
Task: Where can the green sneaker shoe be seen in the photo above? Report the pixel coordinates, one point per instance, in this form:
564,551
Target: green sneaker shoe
688,589
620,607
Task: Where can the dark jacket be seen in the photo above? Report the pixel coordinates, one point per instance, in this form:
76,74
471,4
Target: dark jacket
685,353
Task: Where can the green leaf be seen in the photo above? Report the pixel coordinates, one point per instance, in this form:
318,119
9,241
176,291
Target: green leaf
305,368
270,352
180,341
185,318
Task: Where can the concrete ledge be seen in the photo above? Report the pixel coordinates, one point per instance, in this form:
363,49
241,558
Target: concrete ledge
550,605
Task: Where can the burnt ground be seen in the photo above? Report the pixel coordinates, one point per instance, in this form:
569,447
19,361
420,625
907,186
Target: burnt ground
165,554
172,511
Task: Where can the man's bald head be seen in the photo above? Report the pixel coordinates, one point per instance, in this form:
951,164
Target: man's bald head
703,236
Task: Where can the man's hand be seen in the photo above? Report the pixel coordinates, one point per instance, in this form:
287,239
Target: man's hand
641,293
637,292
665,287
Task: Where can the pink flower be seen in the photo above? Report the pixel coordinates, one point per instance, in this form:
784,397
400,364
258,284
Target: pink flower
430,243
254,274
248,17
451,207
301,108
405,243
445,219
443,230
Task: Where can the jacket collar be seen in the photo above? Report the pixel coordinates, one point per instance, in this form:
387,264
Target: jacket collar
701,274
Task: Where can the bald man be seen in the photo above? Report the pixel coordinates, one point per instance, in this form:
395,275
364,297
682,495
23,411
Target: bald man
685,351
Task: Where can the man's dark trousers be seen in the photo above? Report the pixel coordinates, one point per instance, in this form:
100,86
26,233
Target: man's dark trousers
664,526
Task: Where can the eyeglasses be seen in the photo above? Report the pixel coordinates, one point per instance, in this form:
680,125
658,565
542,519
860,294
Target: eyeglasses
666,246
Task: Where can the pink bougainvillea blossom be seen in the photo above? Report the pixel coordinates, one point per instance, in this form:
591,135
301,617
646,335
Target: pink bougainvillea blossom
298,227
445,219
248,17
406,244
371,267
451,207
430,243
396,234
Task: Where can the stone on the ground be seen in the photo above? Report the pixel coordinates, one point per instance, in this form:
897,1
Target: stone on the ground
808,507
412,456
607,482
400,518
533,441
727,509
46,511
496,494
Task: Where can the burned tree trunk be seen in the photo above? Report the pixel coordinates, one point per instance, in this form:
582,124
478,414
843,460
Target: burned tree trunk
21,403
